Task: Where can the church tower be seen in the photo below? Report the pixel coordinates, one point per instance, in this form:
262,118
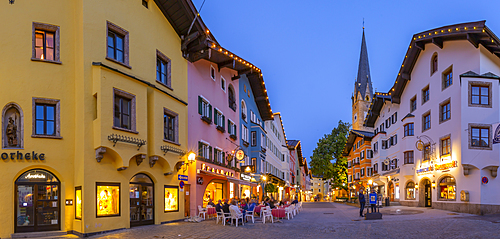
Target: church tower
363,90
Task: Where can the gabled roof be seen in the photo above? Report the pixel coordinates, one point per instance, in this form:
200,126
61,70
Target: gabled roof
292,143
353,134
282,127
409,115
477,33
295,145
375,106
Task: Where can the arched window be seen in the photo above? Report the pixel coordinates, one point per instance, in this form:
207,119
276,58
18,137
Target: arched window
447,188
410,191
232,98
434,63
243,110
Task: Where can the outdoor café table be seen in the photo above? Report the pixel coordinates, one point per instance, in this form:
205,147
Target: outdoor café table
279,213
257,209
211,211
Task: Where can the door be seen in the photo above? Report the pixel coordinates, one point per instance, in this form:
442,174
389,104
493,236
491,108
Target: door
428,199
38,203
141,200
391,192
186,200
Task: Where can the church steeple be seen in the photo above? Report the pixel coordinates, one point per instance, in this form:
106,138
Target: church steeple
363,83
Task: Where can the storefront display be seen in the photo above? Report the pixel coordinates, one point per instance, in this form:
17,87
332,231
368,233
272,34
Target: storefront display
171,199
245,191
108,199
447,188
78,202
410,190
213,191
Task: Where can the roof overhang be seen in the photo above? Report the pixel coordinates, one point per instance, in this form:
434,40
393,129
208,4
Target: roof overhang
475,32
375,107
351,138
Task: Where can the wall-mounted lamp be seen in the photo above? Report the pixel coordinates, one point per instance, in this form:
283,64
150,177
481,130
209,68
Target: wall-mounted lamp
11,1
433,184
416,186
264,178
191,157
370,182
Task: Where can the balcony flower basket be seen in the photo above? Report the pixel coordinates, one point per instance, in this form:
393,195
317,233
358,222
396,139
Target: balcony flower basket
206,119
233,137
221,129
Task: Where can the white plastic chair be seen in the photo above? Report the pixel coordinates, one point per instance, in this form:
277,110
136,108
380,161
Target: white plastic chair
220,216
236,215
267,213
250,214
202,211
289,211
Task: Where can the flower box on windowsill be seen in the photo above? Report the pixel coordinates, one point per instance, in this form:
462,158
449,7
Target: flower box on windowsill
221,129
206,119
245,143
233,137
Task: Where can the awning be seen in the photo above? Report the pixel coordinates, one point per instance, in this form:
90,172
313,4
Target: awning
212,174
239,181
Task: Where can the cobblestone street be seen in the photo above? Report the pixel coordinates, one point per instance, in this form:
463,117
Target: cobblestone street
333,220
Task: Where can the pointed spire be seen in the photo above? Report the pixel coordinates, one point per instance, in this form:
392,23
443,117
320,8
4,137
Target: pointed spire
364,82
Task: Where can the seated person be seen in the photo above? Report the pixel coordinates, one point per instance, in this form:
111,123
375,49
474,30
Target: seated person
211,203
235,211
218,206
225,207
271,204
295,201
251,205
243,204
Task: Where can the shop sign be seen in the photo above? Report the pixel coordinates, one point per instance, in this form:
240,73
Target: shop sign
20,156
446,166
36,175
206,168
199,180
425,170
182,177
246,177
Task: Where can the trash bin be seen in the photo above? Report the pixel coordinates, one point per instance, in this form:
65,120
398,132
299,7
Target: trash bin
387,202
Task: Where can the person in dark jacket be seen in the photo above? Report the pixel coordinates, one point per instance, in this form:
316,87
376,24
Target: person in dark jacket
362,202
218,206
225,207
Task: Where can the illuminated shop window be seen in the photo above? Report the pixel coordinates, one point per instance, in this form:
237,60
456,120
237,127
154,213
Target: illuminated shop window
410,191
108,199
78,202
171,198
447,189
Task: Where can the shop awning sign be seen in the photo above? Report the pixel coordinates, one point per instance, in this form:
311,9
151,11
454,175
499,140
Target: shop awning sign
452,164
182,177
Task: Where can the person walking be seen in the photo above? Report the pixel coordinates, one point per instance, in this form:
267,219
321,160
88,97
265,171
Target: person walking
362,202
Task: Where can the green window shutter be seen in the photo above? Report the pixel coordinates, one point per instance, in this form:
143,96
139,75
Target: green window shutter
223,122
200,111
215,117
200,148
223,157
210,156
234,131
210,111
228,126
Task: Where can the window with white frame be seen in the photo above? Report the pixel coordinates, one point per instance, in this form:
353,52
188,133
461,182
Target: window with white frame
223,83
219,118
244,133
219,155
212,72
231,127
254,138
204,107
263,141
204,150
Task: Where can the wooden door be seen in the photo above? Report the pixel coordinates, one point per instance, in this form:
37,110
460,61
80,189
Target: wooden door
186,200
428,198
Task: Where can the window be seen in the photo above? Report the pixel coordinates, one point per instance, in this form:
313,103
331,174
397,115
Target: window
117,42
45,42
171,198
385,167
480,95
445,146
219,155
394,163
357,176
124,109
254,138
408,129
171,127
384,144
231,98
369,154
219,120
394,117
447,78
445,109
46,121
426,121
410,191
204,150
480,137
204,108
375,168
212,72
145,3
223,83
369,172
78,202
382,129
243,111
362,172
425,94
447,189
263,141
427,152
362,155
244,133
231,128
434,63
375,147
413,104
108,199
408,157
163,69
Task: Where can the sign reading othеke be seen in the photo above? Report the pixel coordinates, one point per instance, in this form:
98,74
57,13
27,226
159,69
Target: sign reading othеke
23,156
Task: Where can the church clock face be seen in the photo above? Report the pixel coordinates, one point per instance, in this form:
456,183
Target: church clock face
355,117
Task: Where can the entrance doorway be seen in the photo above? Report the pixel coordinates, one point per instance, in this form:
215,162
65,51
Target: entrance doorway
214,191
391,191
427,194
141,200
38,202
187,203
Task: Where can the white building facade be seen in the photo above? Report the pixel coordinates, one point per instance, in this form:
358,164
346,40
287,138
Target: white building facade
446,97
277,155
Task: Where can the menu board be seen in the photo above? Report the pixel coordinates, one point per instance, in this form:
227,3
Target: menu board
108,200
171,199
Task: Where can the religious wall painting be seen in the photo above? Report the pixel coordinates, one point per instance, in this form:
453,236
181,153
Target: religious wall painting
12,127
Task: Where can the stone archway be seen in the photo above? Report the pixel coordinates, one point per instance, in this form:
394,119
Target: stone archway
424,184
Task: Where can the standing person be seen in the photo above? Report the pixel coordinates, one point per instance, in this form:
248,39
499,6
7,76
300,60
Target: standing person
362,202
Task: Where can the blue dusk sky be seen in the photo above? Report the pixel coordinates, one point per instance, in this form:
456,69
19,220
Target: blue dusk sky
309,50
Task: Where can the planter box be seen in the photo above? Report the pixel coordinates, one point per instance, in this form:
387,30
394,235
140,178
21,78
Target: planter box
206,119
233,137
219,128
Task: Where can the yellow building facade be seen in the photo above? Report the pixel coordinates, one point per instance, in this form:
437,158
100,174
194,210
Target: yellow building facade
94,120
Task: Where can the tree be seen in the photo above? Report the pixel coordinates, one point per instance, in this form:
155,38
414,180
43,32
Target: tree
327,160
